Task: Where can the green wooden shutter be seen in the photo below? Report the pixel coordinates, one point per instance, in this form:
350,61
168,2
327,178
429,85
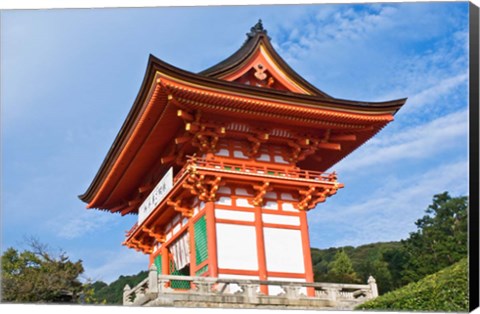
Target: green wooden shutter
158,263
200,235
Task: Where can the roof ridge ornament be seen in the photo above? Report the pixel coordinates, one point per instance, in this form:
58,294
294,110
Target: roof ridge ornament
257,29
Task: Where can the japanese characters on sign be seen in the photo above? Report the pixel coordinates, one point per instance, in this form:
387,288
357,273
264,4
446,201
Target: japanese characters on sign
156,196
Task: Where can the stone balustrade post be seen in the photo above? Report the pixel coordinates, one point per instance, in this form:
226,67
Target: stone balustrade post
126,295
291,292
203,287
162,285
250,291
153,280
373,286
332,294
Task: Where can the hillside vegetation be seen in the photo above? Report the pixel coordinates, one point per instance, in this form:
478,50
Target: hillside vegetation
374,259
446,291
113,293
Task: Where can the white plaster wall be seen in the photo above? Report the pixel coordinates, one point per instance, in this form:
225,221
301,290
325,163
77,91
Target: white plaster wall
283,250
264,157
286,196
236,247
176,228
281,219
242,191
280,159
243,202
270,205
239,154
234,215
271,195
288,207
223,152
224,200
224,189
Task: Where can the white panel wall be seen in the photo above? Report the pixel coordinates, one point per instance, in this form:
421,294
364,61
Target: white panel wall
243,202
224,200
281,219
288,207
234,215
270,205
283,250
236,247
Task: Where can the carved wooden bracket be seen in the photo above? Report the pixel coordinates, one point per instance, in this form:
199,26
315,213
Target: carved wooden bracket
141,245
261,191
186,211
205,187
256,141
314,195
155,233
303,147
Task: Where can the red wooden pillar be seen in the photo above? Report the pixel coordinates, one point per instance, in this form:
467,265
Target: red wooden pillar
193,263
307,257
262,262
165,261
211,239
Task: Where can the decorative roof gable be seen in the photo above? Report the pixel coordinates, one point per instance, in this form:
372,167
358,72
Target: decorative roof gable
257,63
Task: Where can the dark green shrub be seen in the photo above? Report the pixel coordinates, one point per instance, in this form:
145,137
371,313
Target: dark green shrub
445,291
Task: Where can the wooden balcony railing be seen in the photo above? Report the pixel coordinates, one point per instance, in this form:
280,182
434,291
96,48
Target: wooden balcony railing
252,169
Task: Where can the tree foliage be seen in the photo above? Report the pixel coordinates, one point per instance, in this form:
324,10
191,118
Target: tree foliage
113,293
367,260
441,238
36,275
446,291
341,269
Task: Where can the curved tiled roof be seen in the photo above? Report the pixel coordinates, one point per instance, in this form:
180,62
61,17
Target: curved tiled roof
256,37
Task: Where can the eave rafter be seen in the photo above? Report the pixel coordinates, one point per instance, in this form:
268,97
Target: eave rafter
188,95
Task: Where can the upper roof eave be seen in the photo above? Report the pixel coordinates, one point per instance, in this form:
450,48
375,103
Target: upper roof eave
156,65
274,94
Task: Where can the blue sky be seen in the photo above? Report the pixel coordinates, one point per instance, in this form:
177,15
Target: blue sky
69,78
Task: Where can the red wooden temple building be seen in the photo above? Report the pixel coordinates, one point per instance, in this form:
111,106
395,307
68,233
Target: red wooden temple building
222,166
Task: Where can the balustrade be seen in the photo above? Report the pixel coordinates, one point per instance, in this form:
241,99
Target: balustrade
246,292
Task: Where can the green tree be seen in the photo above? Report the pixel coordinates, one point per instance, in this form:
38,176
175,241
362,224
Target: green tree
36,275
441,238
113,292
396,260
341,269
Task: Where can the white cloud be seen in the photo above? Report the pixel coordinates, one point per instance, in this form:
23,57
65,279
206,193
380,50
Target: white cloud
373,53
82,222
389,212
418,142
113,263
432,94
